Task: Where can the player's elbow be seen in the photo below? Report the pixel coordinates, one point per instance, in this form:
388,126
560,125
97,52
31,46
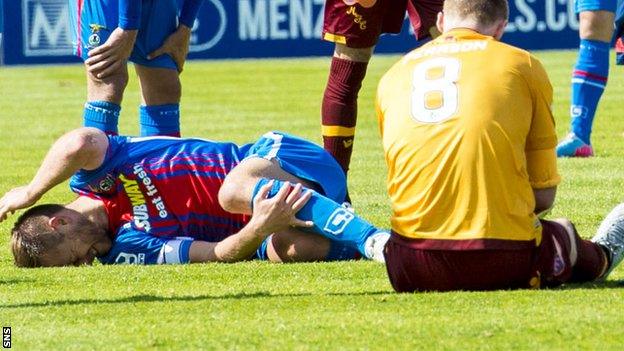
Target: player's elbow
85,145
544,199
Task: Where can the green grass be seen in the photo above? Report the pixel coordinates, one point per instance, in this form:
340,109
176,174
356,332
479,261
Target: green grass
346,305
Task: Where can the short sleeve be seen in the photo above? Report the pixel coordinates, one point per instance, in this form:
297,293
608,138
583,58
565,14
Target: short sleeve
137,247
542,138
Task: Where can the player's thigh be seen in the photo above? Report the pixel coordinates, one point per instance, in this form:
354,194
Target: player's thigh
158,21
236,193
358,23
596,25
159,86
423,15
413,269
297,246
109,89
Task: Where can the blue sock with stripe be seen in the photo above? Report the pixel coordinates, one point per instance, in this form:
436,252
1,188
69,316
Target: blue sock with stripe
330,220
589,80
160,120
102,115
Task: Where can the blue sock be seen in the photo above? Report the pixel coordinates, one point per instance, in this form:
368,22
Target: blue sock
160,120
588,82
102,115
330,219
339,252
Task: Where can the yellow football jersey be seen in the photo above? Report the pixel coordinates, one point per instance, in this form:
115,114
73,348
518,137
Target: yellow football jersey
467,133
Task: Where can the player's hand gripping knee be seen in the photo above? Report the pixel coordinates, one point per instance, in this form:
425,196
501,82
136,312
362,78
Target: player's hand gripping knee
109,57
176,45
278,212
14,200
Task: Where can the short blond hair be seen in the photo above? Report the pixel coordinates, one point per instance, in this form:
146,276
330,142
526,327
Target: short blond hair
485,12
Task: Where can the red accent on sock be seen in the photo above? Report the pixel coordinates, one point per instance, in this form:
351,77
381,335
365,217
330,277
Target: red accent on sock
590,262
619,46
340,105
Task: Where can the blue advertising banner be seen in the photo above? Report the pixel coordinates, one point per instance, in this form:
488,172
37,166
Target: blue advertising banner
37,31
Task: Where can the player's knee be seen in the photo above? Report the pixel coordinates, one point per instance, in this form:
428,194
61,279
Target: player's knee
160,86
596,25
232,198
108,89
353,54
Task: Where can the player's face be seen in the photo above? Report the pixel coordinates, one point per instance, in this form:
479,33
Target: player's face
82,242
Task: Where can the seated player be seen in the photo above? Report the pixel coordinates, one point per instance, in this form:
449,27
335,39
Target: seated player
589,78
469,139
169,200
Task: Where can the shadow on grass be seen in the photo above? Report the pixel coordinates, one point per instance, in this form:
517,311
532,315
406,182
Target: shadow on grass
609,284
155,298
15,281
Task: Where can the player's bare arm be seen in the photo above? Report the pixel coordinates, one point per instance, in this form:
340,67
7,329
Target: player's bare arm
83,148
176,45
544,199
109,57
270,215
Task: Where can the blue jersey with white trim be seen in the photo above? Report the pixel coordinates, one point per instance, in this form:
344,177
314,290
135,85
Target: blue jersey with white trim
156,189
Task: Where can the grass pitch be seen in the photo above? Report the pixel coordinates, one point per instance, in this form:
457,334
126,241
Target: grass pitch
256,305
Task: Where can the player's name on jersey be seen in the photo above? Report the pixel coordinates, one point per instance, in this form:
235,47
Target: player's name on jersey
451,48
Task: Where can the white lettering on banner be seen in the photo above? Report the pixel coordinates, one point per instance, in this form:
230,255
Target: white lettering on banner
559,15
219,11
46,28
280,19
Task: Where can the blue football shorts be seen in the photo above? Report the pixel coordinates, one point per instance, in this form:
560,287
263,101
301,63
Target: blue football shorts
92,22
304,160
595,5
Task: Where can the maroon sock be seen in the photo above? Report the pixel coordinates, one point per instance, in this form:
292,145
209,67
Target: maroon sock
339,111
590,262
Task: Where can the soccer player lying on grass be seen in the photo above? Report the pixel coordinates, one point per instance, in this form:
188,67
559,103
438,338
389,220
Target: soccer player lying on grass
170,200
469,139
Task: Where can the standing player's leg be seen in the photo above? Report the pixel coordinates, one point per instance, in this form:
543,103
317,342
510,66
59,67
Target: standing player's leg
159,112
91,24
339,109
590,74
355,28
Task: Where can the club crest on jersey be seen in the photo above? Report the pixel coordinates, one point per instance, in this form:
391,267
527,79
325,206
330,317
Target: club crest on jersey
338,221
104,185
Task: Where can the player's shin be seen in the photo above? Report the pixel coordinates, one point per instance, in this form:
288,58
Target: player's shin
102,115
339,110
160,120
332,220
589,80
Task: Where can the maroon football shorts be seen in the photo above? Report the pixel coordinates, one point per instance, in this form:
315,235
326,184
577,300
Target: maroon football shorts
548,265
359,23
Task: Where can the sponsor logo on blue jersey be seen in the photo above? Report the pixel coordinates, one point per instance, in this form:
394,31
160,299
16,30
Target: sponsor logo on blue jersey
140,211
